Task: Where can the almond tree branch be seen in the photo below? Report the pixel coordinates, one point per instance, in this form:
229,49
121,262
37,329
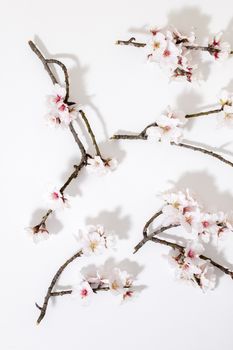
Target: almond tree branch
143,136
132,42
203,257
43,309
181,248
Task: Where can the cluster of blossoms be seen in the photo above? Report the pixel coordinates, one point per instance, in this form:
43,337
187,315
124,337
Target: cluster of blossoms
94,240
100,166
120,283
167,127
60,113
191,268
172,51
181,209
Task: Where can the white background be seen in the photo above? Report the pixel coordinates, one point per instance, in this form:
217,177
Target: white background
118,90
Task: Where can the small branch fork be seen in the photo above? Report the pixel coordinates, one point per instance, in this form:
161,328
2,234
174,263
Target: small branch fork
51,293
132,42
84,155
143,136
153,237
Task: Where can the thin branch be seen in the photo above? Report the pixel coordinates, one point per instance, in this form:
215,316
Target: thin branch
149,237
65,71
150,222
131,42
194,115
77,140
89,129
70,291
43,309
43,60
74,174
205,151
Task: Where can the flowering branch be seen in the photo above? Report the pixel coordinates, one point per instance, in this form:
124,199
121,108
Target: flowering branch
94,240
168,128
173,245
181,210
172,50
132,42
64,113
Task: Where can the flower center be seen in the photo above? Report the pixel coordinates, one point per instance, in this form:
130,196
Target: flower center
84,293
166,53
205,224
55,195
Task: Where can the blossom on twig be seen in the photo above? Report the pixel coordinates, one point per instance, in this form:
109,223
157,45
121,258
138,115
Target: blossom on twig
100,166
94,240
120,283
167,127
60,113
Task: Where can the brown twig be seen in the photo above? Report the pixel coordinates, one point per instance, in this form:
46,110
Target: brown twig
132,42
89,129
145,228
43,309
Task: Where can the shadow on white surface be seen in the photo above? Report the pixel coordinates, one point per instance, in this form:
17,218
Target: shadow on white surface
112,221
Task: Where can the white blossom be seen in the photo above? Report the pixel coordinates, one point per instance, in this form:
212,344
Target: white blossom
101,167
207,277
191,268
60,113
120,282
83,291
55,199
117,281
95,240
167,127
